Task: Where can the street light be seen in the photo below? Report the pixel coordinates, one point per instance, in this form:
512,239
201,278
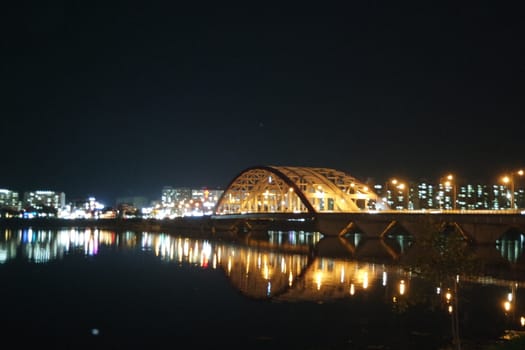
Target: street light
509,179
400,186
451,183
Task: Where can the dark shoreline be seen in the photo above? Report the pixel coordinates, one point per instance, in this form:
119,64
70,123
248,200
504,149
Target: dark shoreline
135,224
193,225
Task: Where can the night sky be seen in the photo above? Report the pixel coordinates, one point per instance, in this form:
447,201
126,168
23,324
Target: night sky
117,99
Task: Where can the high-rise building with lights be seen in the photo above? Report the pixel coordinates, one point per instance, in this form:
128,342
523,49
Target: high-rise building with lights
44,199
9,200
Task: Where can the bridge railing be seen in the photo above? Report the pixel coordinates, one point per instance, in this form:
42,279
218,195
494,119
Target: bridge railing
452,211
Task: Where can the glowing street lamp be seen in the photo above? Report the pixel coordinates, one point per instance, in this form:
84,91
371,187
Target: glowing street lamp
400,186
506,180
450,183
509,179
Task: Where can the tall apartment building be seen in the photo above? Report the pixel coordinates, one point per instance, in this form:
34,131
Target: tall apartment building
9,200
44,199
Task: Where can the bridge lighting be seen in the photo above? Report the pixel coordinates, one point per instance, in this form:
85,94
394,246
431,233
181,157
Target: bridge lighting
448,296
506,305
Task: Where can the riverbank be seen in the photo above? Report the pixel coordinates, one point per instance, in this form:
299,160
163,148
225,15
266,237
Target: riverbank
202,223
183,225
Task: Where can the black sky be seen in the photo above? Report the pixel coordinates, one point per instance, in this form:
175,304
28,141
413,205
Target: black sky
121,98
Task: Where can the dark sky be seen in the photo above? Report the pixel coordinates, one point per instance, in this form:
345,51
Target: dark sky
121,98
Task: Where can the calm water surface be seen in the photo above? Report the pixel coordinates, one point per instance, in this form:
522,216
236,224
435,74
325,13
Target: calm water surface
71,288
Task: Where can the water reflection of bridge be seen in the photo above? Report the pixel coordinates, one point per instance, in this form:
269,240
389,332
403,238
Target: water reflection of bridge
291,265
281,266
335,203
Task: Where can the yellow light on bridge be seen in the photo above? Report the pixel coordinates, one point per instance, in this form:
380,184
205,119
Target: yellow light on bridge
506,305
448,296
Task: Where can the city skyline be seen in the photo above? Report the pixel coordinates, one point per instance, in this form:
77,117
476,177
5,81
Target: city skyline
117,100
448,188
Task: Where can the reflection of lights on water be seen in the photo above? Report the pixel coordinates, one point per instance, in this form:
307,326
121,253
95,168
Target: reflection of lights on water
180,250
283,265
248,261
334,277
365,280
3,256
450,309
402,287
186,248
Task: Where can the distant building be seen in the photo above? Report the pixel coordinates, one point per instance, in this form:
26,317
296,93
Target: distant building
9,202
86,208
43,203
167,197
135,201
44,199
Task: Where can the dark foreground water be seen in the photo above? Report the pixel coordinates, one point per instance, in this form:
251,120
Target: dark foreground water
73,288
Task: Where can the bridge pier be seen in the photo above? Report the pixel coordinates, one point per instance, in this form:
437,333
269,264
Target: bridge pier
484,233
476,228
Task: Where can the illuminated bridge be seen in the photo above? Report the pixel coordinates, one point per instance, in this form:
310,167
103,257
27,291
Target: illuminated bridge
336,203
280,189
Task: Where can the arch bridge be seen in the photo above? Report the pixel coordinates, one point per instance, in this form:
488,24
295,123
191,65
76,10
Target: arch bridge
335,203
285,189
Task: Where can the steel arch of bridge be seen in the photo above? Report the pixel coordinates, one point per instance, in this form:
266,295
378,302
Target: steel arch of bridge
284,189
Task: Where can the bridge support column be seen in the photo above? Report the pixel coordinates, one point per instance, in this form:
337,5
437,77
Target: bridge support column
484,233
334,226
374,229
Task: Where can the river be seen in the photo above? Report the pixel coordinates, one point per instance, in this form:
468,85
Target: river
74,287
